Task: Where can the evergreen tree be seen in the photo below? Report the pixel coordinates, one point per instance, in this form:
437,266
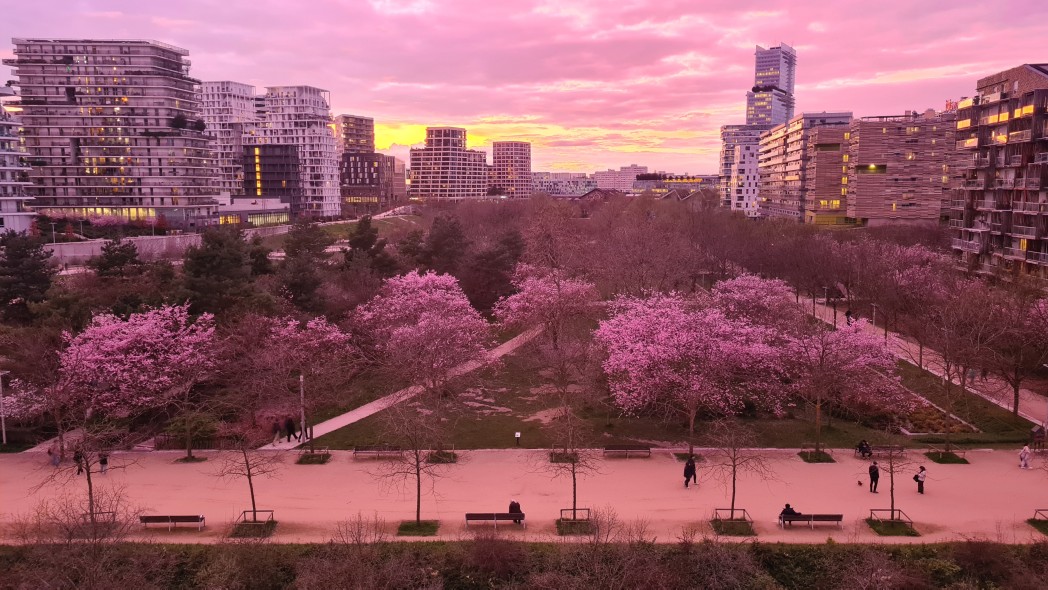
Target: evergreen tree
446,245
259,254
118,259
25,273
488,276
218,271
300,277
364,241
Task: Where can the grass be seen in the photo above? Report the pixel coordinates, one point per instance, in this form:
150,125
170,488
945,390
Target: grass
411,528
245,530
387,228
15,447
733,528
313,458
574,527
562,457
816,457
512,388
1039,524
193,459
946,458
996,424
892,528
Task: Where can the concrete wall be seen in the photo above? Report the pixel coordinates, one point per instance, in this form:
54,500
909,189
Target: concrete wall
149,247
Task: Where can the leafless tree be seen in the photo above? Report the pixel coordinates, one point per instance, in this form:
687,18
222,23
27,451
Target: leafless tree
574,456
733,450
246,462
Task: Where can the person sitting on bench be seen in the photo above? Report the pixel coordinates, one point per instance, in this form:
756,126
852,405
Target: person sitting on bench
864,449
514,508
788,511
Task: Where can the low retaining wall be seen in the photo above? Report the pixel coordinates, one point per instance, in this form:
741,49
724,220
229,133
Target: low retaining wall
149,247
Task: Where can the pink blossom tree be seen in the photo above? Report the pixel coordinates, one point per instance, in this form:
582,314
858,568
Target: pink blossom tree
766,302
548,298
847,368
674,353
425,329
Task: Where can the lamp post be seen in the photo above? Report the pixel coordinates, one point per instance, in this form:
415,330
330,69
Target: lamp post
3,410
54,238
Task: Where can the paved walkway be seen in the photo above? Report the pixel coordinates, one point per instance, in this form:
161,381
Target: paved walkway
380,404
989,499
1032,406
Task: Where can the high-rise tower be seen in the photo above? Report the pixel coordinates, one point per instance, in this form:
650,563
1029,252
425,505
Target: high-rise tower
770,101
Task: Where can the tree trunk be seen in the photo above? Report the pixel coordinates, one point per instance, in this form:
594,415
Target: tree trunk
1016,382
818,426
189,440
891,481
418,490
250,486
691,433
920,355
734,477
574,491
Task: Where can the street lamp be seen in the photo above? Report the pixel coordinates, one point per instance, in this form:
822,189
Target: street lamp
54,238
3,411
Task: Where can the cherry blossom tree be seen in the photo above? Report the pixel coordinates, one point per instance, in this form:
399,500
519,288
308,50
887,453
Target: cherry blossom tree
118,368
292,364
673,353
848,368
1021,347
548,298
425,329
767,302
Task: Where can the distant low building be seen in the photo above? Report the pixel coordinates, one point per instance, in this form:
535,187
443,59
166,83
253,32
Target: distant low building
621,179
562,183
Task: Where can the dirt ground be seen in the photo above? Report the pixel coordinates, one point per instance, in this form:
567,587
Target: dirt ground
990,498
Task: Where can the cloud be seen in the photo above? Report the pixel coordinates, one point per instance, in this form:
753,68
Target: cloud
592,83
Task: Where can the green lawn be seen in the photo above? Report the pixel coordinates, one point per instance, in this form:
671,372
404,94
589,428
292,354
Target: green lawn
387,228
998,426
508,399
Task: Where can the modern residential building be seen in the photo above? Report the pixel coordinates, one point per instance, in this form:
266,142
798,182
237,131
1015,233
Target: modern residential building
999,213
355,135
445,170
114,128
733,136
899,167
371,182
800,163
621,179
743,180
661,182
229,112
14,174
511,168
297,117
566,184
771,101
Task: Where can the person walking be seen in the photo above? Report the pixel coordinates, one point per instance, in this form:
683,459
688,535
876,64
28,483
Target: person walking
276,431
103,462
78,458
922,474
1024,457
875,477
289,425
689,471
54,455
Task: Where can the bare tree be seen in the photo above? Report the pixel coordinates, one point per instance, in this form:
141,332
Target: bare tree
420,430
574,456
734,451
246,462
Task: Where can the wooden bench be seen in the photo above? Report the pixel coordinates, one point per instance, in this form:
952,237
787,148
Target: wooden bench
627,449
172,520
811,519
882,450
377,450
496,517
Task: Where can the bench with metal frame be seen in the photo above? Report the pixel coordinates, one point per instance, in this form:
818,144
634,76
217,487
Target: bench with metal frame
496,517
172,520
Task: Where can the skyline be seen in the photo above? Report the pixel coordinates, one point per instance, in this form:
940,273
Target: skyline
592,86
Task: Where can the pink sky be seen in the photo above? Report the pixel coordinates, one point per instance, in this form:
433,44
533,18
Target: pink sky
591,83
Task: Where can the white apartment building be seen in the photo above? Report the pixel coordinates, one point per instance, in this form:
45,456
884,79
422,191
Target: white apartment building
229,112
445,169
621,179
744,180
299,117
733,136
114,128
511,168
14,177
562,183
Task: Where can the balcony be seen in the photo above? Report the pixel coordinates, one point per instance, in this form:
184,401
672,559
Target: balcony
1041,158
986,205
1028,207
1030,184
966,246
997,227
1037,257
1003,183
971,142
1015,161
1024,231
978,162
1015,253
957,223
1019,136
976,185
956,203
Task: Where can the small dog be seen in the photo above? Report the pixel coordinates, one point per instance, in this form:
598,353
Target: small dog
859,482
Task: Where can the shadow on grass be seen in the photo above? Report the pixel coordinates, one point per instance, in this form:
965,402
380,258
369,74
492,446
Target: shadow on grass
411,528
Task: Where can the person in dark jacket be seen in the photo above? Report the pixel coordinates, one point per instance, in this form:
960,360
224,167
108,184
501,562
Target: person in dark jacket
289,425
514,508
875,476
78,458
689,472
